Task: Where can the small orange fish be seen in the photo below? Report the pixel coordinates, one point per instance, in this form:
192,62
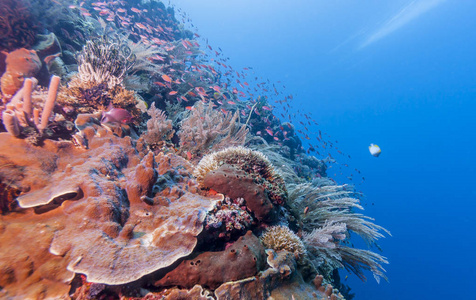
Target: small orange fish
166,78
189,108
173,93
212,192
189,155
306,209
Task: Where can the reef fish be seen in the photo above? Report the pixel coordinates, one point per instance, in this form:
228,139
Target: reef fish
374,150
116,115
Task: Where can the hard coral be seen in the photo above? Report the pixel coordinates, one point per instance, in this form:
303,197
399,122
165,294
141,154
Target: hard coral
253,163
81,97
109,216
20,64
282,238
235,183
243,259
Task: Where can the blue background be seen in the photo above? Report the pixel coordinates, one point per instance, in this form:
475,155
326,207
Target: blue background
401,74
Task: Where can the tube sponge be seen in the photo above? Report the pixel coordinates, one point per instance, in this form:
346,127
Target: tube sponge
10,122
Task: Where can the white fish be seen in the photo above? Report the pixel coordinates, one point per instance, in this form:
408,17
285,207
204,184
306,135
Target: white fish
374,150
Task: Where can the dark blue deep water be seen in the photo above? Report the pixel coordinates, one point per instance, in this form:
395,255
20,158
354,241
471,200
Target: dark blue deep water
400,74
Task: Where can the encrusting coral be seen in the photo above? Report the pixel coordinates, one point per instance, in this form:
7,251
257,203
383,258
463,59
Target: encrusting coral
245,258
102,213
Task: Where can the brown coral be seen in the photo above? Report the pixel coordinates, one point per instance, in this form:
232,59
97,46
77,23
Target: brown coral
253,163
112,214
210,269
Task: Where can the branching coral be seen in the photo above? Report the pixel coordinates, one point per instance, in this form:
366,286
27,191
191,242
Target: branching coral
159,129
282,238
206,130
327,214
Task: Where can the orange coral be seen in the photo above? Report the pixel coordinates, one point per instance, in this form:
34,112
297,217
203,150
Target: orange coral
20,64
108,211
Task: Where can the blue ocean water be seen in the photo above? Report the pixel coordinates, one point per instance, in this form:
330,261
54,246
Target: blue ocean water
400,74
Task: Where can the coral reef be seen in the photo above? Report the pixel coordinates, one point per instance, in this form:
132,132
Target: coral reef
229,218
88,97
282,238
30,114
131,180
159,129
105,60
94,211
